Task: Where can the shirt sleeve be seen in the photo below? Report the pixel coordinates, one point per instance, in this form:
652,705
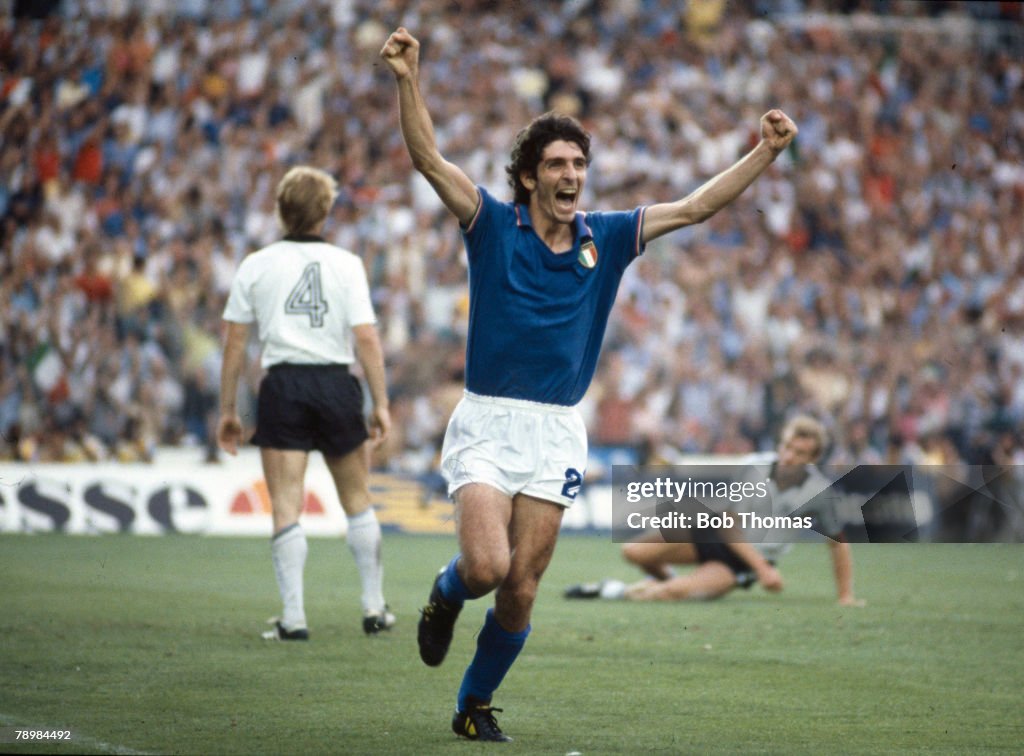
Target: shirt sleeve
620,234
360,306
480,231
239,307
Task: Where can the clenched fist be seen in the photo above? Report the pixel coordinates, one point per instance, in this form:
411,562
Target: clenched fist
777,130
401,52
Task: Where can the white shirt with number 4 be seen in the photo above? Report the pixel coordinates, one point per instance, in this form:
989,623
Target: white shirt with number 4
305,297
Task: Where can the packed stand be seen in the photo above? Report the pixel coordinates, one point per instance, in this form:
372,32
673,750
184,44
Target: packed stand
874,277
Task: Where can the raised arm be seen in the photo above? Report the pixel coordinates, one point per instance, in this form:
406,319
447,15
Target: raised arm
402,53
777,131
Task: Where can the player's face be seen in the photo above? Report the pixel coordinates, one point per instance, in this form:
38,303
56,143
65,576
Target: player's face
797,450
795,453
560,176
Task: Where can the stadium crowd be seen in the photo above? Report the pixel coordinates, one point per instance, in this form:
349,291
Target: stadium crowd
875,277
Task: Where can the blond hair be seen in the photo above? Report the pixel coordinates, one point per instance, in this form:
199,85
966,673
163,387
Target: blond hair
805,426
304,198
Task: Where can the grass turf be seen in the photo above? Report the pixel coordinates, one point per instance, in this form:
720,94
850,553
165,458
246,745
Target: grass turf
152,645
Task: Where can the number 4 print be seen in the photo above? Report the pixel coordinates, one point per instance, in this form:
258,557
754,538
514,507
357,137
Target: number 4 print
307,297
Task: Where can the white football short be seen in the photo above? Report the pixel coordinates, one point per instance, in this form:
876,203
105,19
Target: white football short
516,446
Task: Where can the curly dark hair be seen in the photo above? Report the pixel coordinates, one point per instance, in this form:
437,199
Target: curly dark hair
531,141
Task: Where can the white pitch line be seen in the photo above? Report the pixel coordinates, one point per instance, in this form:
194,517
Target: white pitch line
77,738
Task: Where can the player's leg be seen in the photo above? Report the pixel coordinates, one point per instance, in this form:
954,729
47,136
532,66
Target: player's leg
708,581
336,410
284,471
652,555
482,516
533,532
351,474
477,437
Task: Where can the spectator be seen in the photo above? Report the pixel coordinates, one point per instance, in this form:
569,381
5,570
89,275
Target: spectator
141,148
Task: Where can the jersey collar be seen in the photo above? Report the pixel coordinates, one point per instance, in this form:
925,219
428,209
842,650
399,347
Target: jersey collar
304,238
581,233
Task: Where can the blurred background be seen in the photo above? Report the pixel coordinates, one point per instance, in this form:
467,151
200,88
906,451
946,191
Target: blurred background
873,277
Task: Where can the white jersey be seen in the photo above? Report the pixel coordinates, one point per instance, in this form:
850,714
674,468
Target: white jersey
774,542
305,296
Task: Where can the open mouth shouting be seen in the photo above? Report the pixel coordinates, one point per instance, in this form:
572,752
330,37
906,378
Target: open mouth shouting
565,199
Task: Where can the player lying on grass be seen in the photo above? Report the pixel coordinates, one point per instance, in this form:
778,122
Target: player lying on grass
732,558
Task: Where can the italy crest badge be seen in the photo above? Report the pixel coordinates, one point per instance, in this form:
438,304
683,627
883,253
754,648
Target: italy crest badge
588,254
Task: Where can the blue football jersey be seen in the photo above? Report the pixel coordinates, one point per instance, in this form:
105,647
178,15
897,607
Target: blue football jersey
537,318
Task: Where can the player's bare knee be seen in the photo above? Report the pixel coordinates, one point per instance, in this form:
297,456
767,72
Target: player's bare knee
514,603
522,594
354,502
637,553
483,575
284,516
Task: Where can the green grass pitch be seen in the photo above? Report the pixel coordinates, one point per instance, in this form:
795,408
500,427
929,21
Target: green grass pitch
152,645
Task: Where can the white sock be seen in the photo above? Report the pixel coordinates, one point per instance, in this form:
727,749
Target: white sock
288,550
612,589
364,542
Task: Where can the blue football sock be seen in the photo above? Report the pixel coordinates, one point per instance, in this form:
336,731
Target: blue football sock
496,650
452,588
